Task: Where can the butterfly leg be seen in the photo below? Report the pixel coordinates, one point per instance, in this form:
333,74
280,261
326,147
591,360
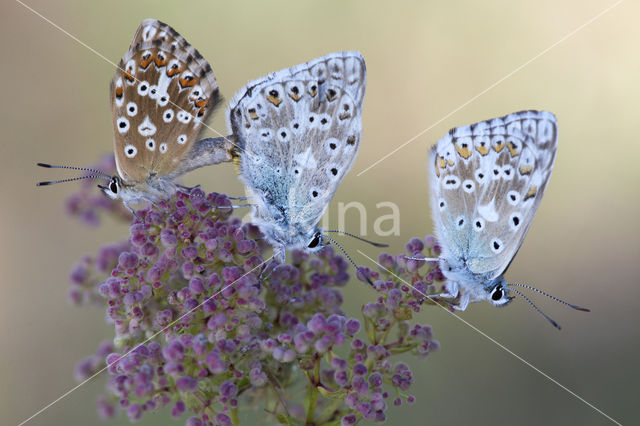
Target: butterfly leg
270,267
187,188
450,290
133,211
464,302
158,206
278,258
426,259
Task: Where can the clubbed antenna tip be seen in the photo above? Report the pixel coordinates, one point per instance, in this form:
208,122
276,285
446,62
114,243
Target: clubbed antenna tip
571,305
548,318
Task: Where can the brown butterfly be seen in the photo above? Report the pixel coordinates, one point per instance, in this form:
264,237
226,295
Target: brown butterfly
161,94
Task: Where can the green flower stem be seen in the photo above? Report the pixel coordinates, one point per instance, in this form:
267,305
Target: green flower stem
313,393
234,416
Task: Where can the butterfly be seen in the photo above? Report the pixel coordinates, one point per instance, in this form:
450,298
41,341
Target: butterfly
161,94
487,181
297,133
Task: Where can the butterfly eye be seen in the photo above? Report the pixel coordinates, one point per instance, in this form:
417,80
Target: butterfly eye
496,294
499,295
314,241
113,186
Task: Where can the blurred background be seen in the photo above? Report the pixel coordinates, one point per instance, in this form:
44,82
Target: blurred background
425,60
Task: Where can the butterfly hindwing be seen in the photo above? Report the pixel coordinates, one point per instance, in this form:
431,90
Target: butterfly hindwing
487,181
161,93
299,131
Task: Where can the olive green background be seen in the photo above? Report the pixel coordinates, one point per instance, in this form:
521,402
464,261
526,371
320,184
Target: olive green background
432,65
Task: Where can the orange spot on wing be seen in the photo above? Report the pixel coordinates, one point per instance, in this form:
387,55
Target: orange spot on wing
274,100
160,60
173,71
499,146
512,149
525,170
200,102
129,77
440,164
145,61
187,81
531,193
464,151
119,92
482,149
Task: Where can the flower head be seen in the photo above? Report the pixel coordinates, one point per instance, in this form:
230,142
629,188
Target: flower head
197,328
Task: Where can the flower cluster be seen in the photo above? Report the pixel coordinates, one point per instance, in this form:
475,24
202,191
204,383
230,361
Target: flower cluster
411,281
201,328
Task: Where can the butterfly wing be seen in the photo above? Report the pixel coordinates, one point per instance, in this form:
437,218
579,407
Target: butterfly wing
161,93
487,181
299,131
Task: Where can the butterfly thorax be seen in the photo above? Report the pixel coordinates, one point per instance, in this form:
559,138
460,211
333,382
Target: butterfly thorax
154,188
471,286
290,238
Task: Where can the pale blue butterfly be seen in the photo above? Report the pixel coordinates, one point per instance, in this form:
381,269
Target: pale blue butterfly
487,181
298,132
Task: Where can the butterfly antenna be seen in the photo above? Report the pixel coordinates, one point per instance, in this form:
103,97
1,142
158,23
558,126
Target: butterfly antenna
576,307
84,169
52,182
348,257
373,243
555,324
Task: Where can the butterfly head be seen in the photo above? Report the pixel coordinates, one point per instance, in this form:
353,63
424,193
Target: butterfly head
114,189
498,294
316,243
134,192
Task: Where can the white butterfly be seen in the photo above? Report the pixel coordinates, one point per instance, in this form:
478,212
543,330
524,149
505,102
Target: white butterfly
487,181
298,131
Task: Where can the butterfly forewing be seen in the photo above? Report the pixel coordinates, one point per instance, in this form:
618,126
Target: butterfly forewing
299,130
161,94
487,183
